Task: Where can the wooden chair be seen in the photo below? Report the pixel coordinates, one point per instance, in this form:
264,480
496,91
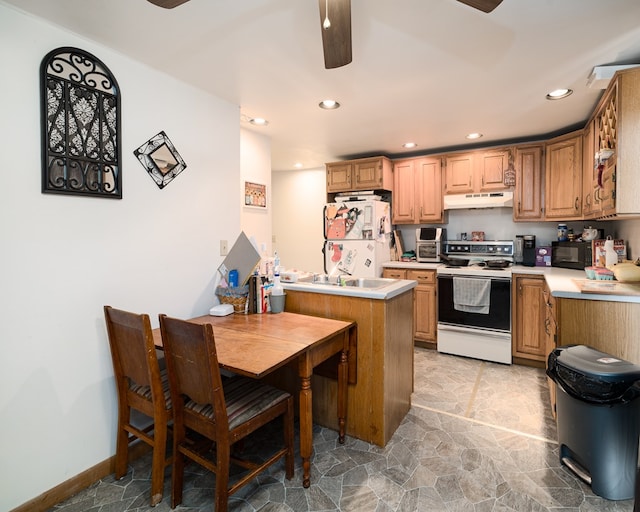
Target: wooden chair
142,386
223,413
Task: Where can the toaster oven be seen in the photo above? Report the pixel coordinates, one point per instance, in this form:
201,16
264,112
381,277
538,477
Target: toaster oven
428,251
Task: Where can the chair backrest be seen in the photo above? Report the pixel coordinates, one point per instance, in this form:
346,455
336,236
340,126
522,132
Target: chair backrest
133,351
192,364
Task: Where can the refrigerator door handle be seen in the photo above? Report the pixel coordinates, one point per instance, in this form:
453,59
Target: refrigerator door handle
324,256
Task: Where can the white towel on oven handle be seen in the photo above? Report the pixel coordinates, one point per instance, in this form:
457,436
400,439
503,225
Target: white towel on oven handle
472,295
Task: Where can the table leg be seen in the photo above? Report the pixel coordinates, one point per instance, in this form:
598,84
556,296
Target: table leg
343,376
306,422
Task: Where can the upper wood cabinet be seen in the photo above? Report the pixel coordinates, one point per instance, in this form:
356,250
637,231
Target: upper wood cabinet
490,169
528,195
417,191
458,174
617,128
362,174
477,171
563,178
590,195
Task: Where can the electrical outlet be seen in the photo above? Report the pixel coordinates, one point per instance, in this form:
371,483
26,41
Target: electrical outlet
273,239
224,248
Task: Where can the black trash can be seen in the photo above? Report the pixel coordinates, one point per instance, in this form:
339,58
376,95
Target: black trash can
598,418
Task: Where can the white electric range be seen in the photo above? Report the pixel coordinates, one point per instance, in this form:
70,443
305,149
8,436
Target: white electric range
474,300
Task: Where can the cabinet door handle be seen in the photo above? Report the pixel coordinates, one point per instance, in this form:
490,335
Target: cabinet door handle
546,326
576,203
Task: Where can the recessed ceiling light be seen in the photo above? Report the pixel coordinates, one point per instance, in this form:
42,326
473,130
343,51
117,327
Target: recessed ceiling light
329,104
558,94
409,145
473,136
258,121
298,165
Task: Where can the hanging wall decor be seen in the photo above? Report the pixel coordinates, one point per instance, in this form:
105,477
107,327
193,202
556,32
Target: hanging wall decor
80,109
255,194
161,159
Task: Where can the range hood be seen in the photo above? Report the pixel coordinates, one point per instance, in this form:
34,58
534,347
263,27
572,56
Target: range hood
483,200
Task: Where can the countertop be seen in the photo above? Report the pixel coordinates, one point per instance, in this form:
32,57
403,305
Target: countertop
394,288
562,284
561,281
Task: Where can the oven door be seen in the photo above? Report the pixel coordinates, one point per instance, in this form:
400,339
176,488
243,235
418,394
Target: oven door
499,316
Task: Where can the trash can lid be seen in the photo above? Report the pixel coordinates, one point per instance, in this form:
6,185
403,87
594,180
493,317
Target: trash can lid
590,361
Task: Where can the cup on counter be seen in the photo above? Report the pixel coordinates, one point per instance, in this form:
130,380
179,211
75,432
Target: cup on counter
463,236
277,303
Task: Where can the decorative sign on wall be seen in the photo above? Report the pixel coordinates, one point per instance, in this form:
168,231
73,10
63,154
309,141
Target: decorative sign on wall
80,125
509,176
161,159
255,194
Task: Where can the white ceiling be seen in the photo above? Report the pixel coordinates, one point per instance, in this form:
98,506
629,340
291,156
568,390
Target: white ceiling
428,71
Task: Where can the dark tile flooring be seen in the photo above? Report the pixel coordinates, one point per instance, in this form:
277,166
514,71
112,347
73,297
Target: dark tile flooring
479,437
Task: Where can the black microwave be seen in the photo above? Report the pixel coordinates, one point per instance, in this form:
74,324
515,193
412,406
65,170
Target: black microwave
576,255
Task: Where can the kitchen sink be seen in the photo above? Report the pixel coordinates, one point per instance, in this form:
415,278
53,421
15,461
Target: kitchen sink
364,282
354,282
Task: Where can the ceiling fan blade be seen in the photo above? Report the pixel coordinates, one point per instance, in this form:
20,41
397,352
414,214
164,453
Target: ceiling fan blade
483,5
168,4
336,40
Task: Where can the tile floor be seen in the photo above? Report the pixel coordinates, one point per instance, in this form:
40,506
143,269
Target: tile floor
479,437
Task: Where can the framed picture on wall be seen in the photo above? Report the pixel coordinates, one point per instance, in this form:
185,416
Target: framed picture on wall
255,195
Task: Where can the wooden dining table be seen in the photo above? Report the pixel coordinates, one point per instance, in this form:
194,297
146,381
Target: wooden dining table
257,345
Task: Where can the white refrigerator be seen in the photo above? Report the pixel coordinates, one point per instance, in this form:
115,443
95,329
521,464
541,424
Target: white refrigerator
357,237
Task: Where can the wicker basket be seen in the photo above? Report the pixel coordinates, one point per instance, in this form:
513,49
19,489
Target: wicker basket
237,297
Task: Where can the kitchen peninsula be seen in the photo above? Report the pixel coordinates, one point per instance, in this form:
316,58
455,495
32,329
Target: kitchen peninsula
381,396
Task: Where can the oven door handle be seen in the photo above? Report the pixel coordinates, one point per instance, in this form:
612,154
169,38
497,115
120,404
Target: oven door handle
443,275
466,330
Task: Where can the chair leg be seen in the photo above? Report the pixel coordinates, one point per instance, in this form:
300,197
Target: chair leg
158,462
289,439
223,462
177,470
122,446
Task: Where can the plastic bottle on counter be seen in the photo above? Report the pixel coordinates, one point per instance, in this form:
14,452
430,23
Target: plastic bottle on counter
277,286
233,278
276,263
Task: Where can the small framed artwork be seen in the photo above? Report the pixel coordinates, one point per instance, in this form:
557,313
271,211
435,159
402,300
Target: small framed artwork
255,194
160,159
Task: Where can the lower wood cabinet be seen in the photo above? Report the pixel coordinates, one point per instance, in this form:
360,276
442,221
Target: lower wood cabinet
529,340
425,318
551,336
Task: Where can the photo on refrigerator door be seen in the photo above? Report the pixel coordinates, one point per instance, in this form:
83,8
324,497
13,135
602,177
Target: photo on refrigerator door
356,220
360,258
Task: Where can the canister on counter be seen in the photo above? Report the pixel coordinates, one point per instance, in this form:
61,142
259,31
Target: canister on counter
562,233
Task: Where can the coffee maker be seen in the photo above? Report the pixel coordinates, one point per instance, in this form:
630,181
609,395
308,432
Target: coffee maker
529,251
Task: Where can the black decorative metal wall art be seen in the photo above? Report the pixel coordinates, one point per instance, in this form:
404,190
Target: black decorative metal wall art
80,125
161,159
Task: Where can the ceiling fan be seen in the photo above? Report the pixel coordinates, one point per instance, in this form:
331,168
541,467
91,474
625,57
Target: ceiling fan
335,16
335,19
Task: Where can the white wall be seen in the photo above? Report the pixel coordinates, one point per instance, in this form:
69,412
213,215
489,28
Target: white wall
298,198
62,258
629,230
255,167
